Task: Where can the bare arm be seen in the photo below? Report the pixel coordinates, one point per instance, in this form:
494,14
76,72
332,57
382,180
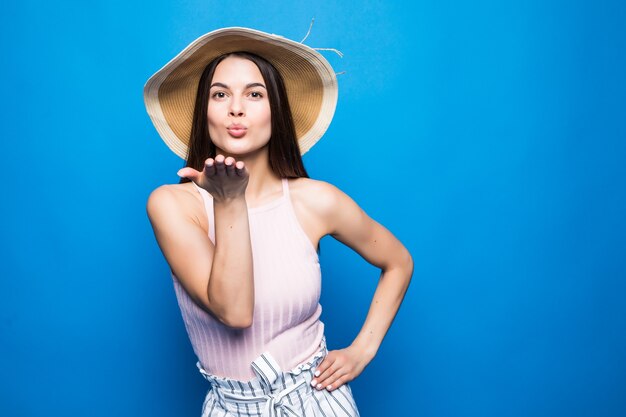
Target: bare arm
218,278
348,223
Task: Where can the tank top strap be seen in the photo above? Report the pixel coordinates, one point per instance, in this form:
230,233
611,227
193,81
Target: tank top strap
203,193
195,185
297,226
208,208
285,187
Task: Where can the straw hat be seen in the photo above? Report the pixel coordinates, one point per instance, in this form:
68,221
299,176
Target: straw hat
310,81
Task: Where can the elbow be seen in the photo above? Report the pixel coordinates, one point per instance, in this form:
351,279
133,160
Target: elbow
229,318
237,322
406,264
236,318
406,267
401,267
409,263
234,312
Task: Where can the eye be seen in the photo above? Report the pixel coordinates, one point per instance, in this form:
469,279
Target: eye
218,94
256,94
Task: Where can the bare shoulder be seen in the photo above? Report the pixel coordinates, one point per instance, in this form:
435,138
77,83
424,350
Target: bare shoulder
316,194
322,201
176,200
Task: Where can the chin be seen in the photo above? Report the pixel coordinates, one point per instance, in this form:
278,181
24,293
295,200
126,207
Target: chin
240,151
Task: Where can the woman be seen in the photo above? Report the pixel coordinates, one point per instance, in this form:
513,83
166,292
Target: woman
240,231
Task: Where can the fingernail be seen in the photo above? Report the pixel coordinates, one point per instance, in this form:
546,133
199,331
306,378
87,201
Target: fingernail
178,173
329,387
317,373
314,382
319,386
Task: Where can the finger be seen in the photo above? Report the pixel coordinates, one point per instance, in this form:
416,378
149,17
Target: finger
335,362
338,382
219,165
209,167
188,172
323,371
327,378
335,379
230,166
240,168
323,365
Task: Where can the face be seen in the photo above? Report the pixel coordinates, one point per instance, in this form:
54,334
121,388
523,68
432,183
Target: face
238,110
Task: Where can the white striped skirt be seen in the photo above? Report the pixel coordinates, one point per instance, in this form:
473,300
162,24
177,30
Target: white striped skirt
274,393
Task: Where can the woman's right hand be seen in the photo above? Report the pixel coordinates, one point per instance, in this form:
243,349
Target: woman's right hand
224,178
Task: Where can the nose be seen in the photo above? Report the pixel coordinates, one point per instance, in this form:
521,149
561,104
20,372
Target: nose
236,107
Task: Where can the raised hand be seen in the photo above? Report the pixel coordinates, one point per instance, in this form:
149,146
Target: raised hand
224,178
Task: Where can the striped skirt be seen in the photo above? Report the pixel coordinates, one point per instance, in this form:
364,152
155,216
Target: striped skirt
275,393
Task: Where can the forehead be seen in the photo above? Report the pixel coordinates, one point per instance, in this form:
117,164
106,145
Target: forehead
236,69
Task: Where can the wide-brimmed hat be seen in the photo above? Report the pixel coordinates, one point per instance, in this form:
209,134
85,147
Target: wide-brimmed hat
310,82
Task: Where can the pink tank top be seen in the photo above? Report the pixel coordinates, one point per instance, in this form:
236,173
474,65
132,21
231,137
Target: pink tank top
287,285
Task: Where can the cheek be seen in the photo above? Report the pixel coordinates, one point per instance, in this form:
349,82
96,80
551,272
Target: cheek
211,126
211,114
266,115
213,119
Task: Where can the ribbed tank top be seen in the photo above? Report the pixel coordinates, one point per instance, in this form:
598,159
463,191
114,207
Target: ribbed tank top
287,286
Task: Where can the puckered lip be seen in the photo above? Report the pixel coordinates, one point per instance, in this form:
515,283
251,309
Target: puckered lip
237,130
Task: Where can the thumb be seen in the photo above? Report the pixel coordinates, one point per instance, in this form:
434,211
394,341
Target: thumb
188,172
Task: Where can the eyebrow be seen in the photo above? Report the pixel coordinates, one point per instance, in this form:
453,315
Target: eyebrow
222,85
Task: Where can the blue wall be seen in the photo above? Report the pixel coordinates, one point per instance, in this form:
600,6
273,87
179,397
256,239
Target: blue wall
489,136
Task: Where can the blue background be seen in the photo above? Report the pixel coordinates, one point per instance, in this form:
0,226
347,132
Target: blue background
488,136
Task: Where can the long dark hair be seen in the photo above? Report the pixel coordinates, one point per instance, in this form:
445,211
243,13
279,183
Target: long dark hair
285,159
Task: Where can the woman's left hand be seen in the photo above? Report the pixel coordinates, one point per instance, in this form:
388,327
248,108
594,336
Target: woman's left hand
339,367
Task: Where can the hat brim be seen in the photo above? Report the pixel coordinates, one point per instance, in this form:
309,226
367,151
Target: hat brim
310,82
